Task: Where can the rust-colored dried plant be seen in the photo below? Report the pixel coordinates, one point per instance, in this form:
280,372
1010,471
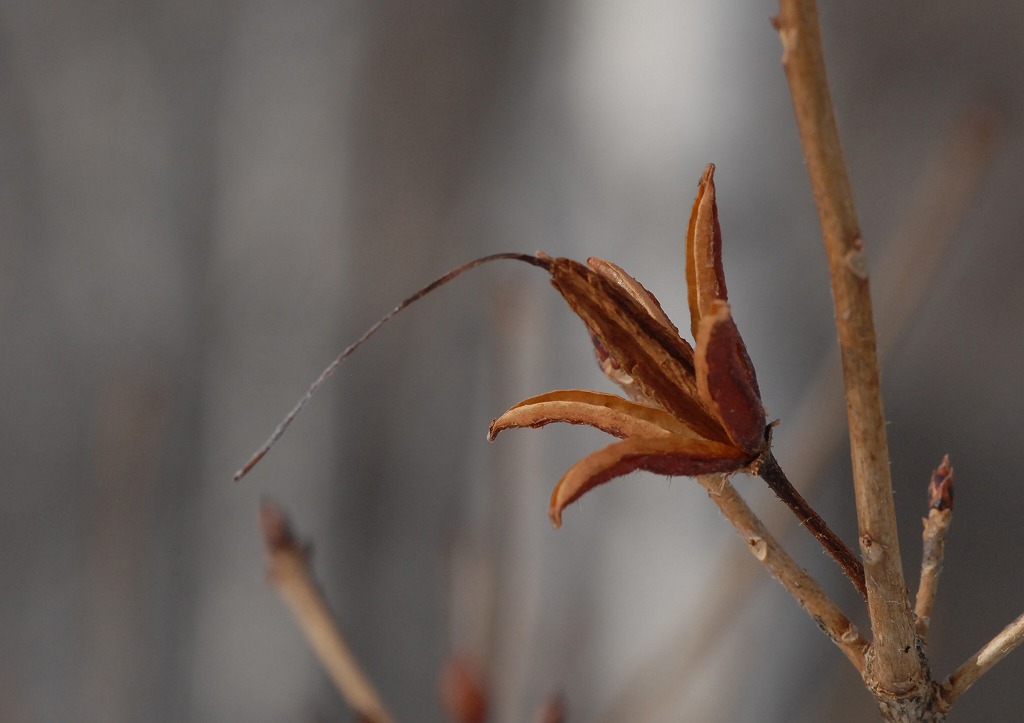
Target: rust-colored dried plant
695,410
692,409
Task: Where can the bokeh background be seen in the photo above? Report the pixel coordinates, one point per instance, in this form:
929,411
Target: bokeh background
202,202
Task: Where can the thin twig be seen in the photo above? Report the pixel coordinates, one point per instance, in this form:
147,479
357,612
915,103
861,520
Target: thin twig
804,588
289,572
330,369
981,662
896,668
768,469
940,515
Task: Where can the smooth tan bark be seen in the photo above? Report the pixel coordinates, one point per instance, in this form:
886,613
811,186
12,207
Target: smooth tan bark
896,670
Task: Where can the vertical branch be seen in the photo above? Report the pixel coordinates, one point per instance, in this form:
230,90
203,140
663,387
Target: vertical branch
895,668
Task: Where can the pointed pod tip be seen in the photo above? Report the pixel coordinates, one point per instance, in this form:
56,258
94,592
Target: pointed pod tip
500,424
556,505
705,278
941,487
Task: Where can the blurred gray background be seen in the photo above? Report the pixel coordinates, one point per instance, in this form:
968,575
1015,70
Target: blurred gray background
201,203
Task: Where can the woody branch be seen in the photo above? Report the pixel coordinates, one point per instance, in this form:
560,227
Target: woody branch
895,668
804,588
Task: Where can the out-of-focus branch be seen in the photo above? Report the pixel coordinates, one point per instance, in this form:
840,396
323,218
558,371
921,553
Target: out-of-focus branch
463,693
290,574
552,711
896,670
940,515
804,588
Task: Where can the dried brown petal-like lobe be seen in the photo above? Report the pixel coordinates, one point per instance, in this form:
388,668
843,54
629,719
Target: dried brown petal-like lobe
726,378
693,412
607,412
657,359
649,302
940,488
705,278
634,289
673,455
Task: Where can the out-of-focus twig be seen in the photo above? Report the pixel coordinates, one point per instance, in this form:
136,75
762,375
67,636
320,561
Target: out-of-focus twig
940,515
662,678
290,574
463,693
553,710
130,438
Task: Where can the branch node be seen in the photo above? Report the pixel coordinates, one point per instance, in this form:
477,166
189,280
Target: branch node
759,547
857,260
871,552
